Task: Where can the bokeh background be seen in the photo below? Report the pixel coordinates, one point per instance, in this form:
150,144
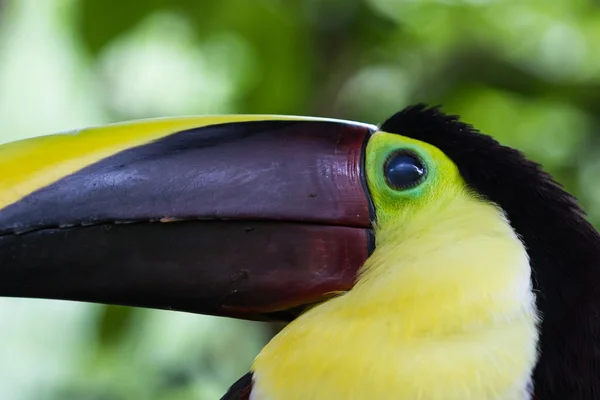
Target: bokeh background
524,71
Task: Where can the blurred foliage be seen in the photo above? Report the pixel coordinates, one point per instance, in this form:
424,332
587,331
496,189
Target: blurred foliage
524,71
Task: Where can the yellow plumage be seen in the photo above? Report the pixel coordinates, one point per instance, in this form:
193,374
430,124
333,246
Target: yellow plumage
443,309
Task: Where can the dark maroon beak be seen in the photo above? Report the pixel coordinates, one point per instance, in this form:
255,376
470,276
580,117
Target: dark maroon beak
244,219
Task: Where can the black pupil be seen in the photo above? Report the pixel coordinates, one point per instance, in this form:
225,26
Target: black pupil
404,171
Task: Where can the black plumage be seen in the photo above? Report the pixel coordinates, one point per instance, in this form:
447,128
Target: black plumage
564,248
241,389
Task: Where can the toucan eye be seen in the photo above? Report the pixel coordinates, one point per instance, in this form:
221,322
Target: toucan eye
404,170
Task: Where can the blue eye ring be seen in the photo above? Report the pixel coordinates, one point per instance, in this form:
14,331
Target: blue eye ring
404,169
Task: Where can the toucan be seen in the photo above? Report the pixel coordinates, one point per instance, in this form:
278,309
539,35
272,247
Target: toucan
417,259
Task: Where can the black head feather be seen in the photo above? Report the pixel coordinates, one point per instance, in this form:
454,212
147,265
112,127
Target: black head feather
563,247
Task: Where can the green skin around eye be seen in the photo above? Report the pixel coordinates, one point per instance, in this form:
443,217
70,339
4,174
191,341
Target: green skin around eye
393,204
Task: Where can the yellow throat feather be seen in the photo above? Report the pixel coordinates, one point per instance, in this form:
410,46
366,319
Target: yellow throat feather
442,310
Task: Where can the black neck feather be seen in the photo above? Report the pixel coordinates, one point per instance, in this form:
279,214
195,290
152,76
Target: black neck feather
563,247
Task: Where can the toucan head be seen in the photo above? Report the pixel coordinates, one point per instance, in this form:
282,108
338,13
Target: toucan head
389,239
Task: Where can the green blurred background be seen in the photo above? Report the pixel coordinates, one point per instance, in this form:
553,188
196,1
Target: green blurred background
524,71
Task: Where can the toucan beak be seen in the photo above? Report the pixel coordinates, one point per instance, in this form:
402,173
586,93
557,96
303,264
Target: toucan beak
247,219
